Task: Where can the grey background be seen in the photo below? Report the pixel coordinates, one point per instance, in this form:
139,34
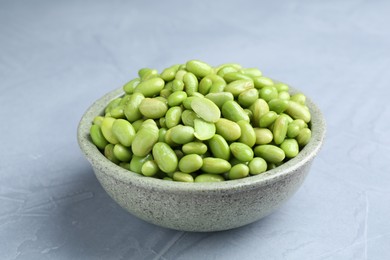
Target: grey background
57,57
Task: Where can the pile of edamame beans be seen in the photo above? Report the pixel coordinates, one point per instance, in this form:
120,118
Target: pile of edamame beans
197,123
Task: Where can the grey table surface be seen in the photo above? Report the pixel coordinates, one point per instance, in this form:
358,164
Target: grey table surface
57,57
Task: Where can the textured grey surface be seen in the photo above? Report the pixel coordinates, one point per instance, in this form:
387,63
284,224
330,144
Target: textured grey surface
56,58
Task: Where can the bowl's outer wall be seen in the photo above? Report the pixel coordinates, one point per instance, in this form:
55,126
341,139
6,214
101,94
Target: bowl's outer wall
199,206
202,212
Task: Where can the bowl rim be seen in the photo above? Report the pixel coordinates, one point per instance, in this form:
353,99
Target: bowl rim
99,161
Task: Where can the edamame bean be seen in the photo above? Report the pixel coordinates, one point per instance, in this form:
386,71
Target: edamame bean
153,108
248,97
131,108
281,87
137,162
137,124
267,119
257,165
241,151
270,153
280,129
261,82
190,83
198,68
150,87
284,95
177,98
207,177
177,85
226,69
215,165
220,98
168,74
149,168
219,147
304,136
109,153
263,135
268,93
234,76
248,135
131,85
194,148
113,103
97,137
122,153
165,157
188,117
238,171
173,117
182,177
233,111
290,147
298,111
203,130
278,105
181,134
299,98
258,108
145,138
190,163
238,86
106,129
293,130
206,109
251,72
98,120
228,129
123,131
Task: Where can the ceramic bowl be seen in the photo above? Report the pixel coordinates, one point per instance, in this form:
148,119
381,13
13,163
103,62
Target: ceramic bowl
199,206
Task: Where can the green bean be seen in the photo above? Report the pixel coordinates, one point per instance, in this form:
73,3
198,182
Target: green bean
206,109
290,147
168,74
238,171
299,98
248,97
267,119
109,153
123,131
248,135
182,177
97,137
298,111
131,108
234,76
220,98
207,177
257,165
122,153
137,162
219,147
251,72
263,135
150,87
238,86
203,130
177,98
165,157
188,117
153,108
228,129
233,111
190,163
190,83
173,116
258,108
241,151
182,134
268,93
145,138
278,105
199,68
215,165
304,136
149,168
106,128
131,85
261,82
194,148
270,153
280,129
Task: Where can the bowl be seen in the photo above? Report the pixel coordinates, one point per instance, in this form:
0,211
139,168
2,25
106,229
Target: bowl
200,207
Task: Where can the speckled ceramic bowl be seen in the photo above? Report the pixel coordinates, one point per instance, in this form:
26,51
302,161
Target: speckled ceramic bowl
199,206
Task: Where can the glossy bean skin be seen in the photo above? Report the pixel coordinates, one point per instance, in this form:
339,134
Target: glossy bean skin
198,68
206,109
173,116
190,163
194,148
153,108
238,171
290,147
241,151
219,147
207,177
150,87
215,165
97,137
228,129
145,138
165,157
280,129
257,165
233,111
270,153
